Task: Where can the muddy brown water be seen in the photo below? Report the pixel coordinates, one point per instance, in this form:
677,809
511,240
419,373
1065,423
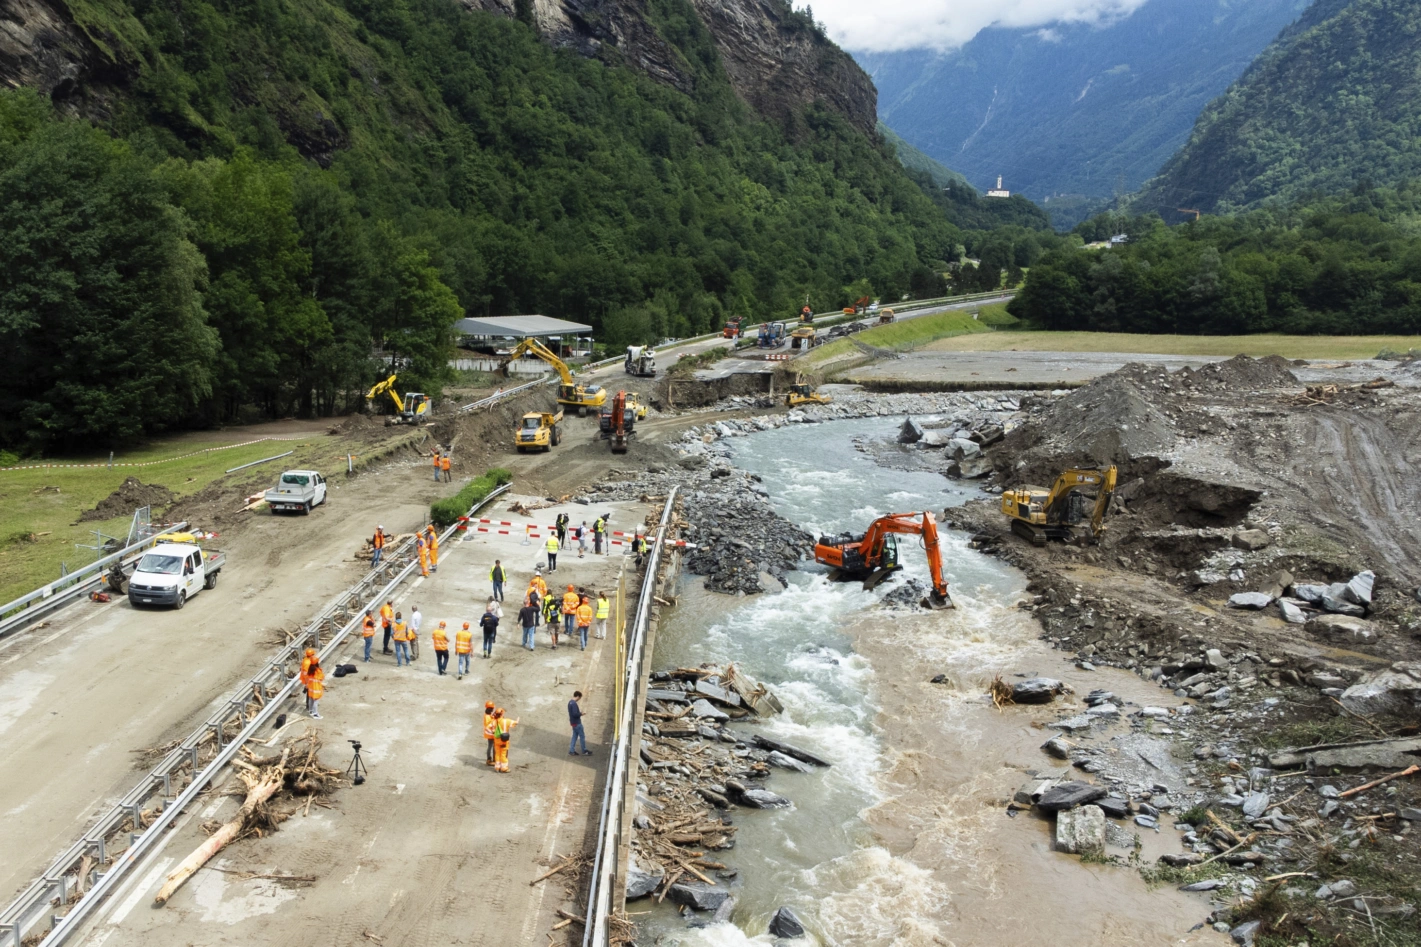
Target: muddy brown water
905,840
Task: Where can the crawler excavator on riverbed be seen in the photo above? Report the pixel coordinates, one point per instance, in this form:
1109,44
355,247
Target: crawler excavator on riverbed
1073,510
873,556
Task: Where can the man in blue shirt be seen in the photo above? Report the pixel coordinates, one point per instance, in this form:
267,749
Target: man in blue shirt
574,717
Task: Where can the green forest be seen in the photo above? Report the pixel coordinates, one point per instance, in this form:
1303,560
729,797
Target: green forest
1349,264
277,190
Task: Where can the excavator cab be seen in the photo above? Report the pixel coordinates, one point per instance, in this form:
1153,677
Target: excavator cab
1073,510
417,405
873,556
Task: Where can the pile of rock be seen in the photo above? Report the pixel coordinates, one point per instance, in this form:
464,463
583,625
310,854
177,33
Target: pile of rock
693,772
1336,609
739,537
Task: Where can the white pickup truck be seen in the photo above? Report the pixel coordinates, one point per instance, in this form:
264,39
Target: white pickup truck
172,573
297,491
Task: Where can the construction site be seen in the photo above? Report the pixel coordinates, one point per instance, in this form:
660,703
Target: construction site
1103,649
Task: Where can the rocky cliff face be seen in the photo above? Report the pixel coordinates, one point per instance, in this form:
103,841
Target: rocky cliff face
776,62
42,48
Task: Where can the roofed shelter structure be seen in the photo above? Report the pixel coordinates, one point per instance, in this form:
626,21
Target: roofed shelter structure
521,327
488,341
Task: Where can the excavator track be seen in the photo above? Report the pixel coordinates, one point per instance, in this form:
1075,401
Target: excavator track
1025,530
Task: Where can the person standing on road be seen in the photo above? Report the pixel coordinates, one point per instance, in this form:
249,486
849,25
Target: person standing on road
488,730
431,536
537,582
445,464
402,640
604,609
552,547
574,717
552,614
582,540
423,555
497,576
387,619
377,543
416,619
502,733
599,534
639,547
367,632
307,659
315,688
464,648
435,454
584,620
562,522
570,601
489,623
439,638
528,619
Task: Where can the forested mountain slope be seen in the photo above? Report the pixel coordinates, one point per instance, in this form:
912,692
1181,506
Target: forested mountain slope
1333,103
1074,109
217,209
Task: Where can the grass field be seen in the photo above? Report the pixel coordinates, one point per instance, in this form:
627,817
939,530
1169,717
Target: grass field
914,333
1313,347
39,509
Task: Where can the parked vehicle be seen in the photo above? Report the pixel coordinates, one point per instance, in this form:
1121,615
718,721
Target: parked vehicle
297,492
173,572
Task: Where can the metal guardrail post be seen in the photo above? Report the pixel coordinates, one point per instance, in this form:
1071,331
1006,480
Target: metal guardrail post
604,864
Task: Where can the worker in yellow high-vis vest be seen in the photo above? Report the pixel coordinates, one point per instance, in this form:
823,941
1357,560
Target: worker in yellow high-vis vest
604,609
552,547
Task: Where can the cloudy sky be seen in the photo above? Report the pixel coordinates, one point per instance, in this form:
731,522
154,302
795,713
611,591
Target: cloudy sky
890,25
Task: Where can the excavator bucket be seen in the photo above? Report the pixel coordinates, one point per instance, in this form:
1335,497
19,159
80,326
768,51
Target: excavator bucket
937,602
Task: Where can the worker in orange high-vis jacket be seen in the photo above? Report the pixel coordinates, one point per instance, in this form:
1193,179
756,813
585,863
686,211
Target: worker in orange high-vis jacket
431,538
440,639
584,620
402,640
502,733
306,660
570,601
377,543
489,730
387,619
367,632
464,647
315,688
445,463
423,549
435,454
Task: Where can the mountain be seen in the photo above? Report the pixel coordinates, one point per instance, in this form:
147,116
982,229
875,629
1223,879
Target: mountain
1074,109
1334,103
914,160
214,210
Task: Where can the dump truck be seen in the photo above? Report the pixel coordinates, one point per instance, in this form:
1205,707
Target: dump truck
538,431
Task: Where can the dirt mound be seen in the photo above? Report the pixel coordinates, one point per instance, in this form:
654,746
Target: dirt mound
130,496
1242,373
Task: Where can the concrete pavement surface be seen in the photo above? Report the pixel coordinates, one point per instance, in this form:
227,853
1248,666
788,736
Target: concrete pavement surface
436,847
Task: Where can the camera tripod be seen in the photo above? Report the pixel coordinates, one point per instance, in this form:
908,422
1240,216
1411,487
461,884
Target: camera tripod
357,768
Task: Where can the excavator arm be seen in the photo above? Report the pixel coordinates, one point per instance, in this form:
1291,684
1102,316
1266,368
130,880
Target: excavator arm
569,392
534,347
386,387
1058,502
871,549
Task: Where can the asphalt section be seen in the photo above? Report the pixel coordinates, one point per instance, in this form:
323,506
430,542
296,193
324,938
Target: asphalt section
436,847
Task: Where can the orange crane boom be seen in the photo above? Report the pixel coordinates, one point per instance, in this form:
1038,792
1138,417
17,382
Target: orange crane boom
874,555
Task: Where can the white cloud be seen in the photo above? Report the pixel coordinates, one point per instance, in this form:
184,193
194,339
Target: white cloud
945,24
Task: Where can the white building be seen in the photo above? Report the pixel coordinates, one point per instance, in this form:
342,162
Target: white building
998,191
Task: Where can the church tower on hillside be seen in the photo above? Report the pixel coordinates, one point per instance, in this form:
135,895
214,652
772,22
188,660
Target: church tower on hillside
998,191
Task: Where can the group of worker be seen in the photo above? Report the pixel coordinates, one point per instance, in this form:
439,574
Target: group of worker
426,543
563,529
443,461
313,680
404,635
573,609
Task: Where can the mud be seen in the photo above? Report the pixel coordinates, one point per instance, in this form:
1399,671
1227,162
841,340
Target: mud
130,495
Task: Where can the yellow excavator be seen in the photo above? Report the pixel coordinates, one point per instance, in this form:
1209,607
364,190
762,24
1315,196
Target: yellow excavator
413,408
801,394
570,393
1073,510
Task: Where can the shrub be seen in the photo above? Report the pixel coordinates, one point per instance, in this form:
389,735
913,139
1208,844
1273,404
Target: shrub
446,512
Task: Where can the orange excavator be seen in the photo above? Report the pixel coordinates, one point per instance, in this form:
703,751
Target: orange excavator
873,556
617,422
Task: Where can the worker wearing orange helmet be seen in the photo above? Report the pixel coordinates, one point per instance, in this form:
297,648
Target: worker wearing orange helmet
502,733
307,660
315,687
431,539
463,648
423,549
570,601
440,639
367,632
489,730
445,463
584,620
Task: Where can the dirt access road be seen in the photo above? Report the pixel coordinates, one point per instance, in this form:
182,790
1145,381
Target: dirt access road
436,848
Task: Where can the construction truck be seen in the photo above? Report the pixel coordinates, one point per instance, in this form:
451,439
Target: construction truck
617,421
803,337
771,336
886,316
732,328
806,315
414,408
297,492
801,394
1073,509
634,405
641,361
873,556
570,393
538,431
173,571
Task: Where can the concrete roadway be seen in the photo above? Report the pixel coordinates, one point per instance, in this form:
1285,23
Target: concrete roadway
436,848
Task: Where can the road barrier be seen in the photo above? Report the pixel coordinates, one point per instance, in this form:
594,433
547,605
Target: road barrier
601,900
249,709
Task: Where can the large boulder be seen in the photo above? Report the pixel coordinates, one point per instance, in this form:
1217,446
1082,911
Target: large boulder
911,432
785,923
643,881
960,449
776,758
1253,600
1348,628
698,897
1038,690
1277,583
1396,690
1358,591
1068,795
1081,831
971,468
1292,612
1251,539
703,708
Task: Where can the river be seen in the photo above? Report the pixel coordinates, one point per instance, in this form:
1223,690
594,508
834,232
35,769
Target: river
905,839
